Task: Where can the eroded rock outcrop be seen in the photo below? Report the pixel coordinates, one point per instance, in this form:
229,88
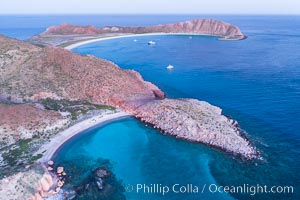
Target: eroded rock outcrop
49,184
196,26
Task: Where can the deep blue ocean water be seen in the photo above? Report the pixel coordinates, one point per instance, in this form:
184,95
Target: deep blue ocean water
255,81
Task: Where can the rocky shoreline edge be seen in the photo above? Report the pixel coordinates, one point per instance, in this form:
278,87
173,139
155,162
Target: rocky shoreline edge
199,122
53,183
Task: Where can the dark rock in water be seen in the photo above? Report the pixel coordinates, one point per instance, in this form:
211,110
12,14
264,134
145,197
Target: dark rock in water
86,183
100,183
101,172
79,189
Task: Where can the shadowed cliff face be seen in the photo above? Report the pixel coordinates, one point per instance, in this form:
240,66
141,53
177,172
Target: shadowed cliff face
29,73
197,26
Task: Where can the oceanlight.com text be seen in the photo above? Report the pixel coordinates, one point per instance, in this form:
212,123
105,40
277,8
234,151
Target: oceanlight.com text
211,188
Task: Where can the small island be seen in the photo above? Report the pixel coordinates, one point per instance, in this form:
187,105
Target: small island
67,34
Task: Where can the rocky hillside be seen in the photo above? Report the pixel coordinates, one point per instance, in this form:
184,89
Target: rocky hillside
197,26
31,74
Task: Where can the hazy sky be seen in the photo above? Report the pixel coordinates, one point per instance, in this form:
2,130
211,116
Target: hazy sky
150,6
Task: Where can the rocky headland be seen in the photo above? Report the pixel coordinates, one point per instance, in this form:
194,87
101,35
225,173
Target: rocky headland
68,33
196,121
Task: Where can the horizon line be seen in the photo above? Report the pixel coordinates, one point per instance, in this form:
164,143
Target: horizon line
239,14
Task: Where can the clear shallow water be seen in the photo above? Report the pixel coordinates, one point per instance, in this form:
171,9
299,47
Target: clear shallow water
139,154
256,81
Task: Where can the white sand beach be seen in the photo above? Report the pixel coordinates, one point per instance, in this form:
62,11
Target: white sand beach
58,140
80,43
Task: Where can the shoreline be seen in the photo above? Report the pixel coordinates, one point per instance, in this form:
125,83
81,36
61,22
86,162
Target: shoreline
49,149
92,40
252,152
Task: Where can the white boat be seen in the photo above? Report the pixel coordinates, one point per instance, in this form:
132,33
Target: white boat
135,40
170,67
151,43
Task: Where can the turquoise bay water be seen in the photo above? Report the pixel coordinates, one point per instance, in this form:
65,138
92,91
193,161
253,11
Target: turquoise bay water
139,154
255,81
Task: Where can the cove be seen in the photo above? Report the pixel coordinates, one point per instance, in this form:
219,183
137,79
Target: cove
138,155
